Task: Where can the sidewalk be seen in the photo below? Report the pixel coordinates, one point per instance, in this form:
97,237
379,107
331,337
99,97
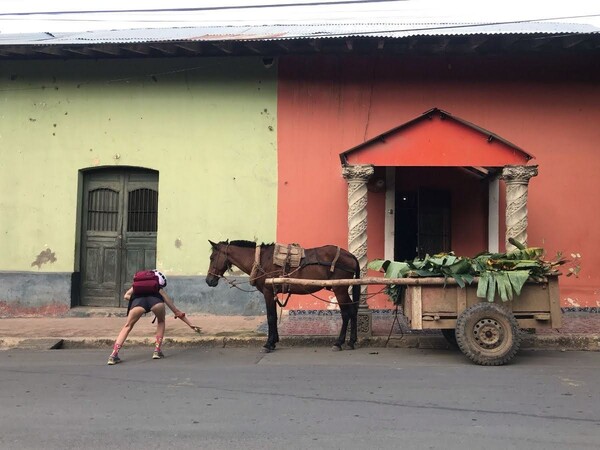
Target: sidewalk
98,328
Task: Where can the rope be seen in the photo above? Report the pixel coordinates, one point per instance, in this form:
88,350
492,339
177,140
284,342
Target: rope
337,255
256,266
337,303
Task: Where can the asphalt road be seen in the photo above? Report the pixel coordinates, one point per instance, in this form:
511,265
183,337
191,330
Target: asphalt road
297,398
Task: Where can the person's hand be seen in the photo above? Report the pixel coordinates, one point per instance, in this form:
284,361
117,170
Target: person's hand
179,314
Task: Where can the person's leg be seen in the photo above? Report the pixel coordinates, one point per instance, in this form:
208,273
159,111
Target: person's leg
133,316
159,312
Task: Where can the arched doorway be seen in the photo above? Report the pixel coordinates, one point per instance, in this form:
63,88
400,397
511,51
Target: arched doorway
118,231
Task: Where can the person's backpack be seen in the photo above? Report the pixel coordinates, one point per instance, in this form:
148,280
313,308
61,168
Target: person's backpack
145,282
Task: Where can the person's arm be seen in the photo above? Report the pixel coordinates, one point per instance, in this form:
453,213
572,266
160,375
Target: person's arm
178,314
127,295
169,302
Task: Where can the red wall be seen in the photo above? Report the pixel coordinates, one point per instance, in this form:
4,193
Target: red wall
547,106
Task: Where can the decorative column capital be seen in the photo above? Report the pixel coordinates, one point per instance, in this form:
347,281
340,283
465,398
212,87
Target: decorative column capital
519,174
358,172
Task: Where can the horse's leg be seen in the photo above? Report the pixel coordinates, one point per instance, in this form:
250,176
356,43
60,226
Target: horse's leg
342,337
349,311
271,322
276,330
353,325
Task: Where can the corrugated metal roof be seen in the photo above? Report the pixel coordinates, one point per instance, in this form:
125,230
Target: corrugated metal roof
283,32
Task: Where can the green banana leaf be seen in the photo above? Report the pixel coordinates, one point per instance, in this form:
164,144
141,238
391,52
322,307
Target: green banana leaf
503,286
483,285
502,274
518,279
377,264
491,287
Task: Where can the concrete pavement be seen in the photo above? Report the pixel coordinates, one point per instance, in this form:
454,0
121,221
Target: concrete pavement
98,327
297,398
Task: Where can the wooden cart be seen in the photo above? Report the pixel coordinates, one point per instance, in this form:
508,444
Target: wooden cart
487,333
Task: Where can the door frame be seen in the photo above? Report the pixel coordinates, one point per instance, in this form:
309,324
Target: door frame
493,228
82,174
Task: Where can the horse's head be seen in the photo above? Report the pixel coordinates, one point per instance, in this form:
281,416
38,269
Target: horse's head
219,263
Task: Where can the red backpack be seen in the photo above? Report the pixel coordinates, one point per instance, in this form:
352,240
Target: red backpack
145,282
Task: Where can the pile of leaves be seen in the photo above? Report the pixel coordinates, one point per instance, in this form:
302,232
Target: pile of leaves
499,273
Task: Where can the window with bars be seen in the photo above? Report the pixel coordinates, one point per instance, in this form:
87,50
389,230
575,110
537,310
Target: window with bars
103,210
142,212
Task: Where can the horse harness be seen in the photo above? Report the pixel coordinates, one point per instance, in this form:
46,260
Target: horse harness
291,258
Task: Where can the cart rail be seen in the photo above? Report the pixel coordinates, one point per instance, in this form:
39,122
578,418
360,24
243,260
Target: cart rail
437,281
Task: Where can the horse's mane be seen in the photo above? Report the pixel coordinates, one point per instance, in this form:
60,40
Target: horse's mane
243,243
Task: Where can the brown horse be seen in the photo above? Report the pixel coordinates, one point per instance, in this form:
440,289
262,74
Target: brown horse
319,263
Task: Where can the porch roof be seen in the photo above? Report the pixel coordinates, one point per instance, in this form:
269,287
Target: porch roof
438,139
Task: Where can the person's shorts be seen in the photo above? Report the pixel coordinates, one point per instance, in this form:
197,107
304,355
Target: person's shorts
145,302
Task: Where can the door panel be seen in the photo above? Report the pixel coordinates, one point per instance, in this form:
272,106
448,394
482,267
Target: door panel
111,254
140,227
102,207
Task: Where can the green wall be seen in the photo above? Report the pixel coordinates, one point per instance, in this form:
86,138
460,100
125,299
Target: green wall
208,125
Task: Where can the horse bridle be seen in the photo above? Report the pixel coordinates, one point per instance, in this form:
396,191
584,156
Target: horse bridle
228,263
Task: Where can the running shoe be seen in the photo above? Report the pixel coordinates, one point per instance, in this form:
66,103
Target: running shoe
157,354
112,360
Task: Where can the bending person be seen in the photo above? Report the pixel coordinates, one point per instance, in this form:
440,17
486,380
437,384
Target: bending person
140,304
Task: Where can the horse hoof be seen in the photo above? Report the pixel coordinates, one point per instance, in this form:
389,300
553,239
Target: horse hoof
336,348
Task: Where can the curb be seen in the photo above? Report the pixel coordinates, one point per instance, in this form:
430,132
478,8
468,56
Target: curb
573,342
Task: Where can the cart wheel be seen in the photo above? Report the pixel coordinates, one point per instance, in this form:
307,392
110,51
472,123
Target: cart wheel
450,335
488,334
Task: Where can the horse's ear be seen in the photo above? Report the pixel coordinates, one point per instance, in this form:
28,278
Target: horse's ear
212,244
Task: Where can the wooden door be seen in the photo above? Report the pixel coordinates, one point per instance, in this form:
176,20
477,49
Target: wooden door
120,213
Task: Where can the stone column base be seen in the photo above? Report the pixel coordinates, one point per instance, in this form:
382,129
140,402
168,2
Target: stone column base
365,322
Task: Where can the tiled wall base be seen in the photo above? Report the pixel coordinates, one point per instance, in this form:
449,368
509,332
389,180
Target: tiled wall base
384,321
329,323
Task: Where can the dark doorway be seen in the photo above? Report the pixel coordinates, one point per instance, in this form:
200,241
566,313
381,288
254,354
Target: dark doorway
422,223
119,225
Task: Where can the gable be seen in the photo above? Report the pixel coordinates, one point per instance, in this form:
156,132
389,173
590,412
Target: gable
437,139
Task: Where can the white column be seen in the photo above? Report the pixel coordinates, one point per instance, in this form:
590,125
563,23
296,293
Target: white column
390,213
357,177
494,215
517,185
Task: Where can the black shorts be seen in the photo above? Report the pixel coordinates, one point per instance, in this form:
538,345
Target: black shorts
145,302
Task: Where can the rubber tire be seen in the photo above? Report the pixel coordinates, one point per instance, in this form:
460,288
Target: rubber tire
498,318
450,335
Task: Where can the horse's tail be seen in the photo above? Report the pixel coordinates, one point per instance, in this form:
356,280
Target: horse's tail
356,288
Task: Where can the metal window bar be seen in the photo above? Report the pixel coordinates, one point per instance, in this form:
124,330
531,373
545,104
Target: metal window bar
103,210
142,214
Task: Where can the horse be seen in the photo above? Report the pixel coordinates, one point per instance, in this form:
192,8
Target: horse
328,262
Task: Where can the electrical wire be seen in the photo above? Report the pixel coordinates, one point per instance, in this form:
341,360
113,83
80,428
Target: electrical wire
15,16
